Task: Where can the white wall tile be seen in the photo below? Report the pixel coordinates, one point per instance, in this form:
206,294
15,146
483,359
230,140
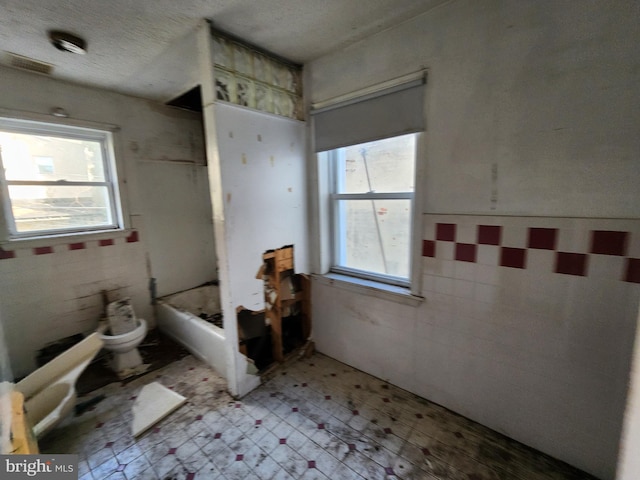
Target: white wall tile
463,288
633,247
464,270
49,290
444,285
428,283
542,261
486,293
514,236
428,228
466,231
574,240
488,255
606,267
488,274
445,250
440,268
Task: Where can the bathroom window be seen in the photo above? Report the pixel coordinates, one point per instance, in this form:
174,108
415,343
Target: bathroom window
372,205
56,179
367,145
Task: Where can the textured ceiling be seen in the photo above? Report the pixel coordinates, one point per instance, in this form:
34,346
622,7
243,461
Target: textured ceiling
126,38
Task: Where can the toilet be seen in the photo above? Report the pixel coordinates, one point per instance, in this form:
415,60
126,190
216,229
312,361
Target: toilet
126,357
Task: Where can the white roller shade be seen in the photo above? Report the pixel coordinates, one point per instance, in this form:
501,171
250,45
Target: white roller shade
387,113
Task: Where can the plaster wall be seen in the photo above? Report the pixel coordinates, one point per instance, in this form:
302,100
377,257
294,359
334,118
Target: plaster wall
260,204
47,296
541,93
257,171
263,172
178,221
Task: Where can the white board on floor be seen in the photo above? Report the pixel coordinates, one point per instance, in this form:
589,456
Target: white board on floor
154,402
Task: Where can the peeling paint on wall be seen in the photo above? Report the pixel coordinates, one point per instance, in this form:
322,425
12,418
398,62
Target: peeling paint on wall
264,186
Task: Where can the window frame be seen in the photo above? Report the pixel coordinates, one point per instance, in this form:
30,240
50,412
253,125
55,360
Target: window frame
335,157
34,124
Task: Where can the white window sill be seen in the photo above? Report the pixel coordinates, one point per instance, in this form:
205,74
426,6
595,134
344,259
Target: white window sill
369,287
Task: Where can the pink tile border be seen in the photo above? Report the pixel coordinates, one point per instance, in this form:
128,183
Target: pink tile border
446,232
608,242
632,270
428,248
543,238
133,237
466,252
601,242
513,257
571,263
489,234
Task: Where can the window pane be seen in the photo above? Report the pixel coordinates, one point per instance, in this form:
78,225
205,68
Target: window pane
46,158
382,166
375,235
59,207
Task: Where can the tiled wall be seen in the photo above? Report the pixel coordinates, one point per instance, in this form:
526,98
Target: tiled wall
606,249
526,326
53,291
551,303
559,294
22,252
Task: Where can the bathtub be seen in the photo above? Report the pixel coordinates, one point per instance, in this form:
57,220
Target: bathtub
178,317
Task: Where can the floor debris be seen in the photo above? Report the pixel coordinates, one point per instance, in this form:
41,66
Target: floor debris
154,402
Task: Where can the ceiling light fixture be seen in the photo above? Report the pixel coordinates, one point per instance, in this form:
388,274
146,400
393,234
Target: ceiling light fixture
68,42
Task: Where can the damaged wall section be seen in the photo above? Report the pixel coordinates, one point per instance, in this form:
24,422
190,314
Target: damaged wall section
270,335
287,300
257,173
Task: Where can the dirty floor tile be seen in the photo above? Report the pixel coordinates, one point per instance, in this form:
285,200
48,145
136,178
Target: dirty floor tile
312,419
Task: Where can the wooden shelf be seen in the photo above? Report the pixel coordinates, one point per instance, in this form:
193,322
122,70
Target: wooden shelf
279,274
